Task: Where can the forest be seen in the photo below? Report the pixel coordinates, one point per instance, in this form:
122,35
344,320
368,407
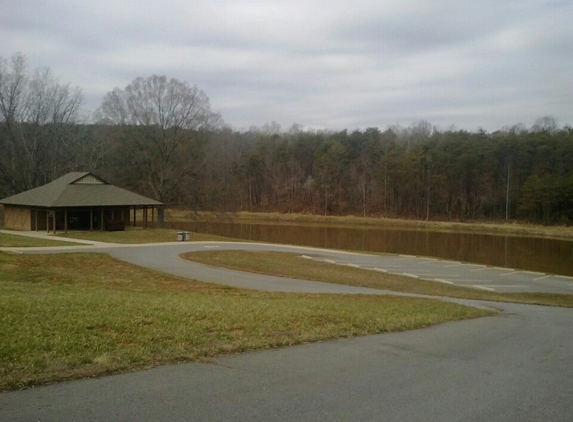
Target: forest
159,137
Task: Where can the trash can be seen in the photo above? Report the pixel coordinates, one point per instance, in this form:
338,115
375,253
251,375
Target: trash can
180,236
187,236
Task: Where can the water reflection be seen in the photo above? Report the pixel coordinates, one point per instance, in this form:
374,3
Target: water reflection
535,254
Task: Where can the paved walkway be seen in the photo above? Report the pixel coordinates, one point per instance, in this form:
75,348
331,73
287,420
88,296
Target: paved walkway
47,236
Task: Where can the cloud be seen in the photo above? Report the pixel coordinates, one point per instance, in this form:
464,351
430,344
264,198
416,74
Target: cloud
331,64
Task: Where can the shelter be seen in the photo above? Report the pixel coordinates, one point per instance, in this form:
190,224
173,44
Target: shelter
76,201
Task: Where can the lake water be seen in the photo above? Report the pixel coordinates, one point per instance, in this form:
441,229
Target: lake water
527,253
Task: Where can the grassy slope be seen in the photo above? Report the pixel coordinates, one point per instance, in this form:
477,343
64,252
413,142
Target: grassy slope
291,265
59,321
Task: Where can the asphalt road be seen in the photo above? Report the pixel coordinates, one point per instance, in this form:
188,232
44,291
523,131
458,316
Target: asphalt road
512,367
516,366
164,257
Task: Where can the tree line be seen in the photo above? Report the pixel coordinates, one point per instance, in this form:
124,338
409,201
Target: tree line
429,174
159,137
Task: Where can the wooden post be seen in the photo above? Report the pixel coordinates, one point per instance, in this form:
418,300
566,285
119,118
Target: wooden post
101,222
36,219
134,215
54,220
145,216
48,221
91,219
152,216
65,220
160,216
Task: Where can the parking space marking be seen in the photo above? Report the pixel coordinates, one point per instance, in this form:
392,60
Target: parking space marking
441,280
474,281
410,275
433,275
533,272
513,272
455,265
330,261
541,278
380,269
479,269
306,257
489,289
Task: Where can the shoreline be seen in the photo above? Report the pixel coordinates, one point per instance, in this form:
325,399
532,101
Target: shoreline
499,228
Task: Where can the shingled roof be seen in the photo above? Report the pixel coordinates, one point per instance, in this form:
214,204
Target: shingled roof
78,189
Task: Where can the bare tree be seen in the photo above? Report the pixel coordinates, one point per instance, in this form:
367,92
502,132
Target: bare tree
37,124
545,124
162,125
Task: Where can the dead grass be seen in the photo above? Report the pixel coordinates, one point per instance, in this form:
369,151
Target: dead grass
291,265
81,315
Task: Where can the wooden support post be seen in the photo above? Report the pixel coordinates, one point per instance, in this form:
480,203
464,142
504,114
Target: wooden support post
145,216
101,222
54,220
65,220
36,219
134,215
48,221
152,216
91,219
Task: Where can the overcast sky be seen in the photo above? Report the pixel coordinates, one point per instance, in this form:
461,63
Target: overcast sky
320,63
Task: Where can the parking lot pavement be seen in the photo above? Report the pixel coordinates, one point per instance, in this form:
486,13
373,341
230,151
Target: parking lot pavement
476,276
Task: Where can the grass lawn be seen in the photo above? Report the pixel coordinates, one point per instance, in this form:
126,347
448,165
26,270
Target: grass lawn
15,241
80,315
138,235
292,265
